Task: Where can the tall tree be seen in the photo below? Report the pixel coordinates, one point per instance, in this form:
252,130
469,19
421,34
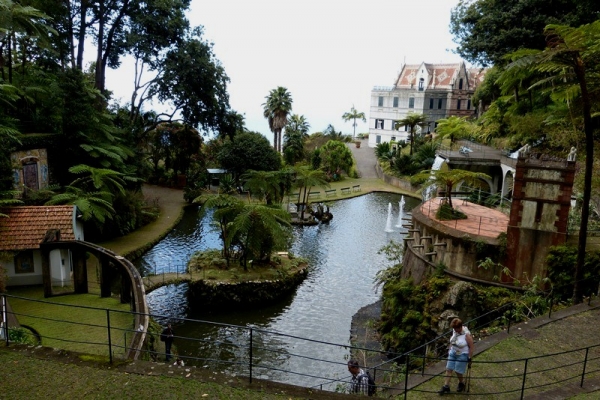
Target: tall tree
412,121
276,110
569,67
336,158
353,115
486,30
248,150
296,132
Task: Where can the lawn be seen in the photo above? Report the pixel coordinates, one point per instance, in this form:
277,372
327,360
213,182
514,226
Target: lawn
75,322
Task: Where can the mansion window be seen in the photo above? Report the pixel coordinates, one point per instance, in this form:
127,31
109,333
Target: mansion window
395,102
421,84
380,101
440,101
411,102
431,103
468,104
378,124
458,104
460,84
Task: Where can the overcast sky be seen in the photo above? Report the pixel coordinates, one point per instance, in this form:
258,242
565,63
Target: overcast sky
328,53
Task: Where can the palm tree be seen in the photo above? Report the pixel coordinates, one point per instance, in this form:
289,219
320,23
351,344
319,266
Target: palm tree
276,110
448,179
226,207
354,115
259,230
263,184
412,121
255,228
298,123
8,198
568,67
306,178
95,206
453,128
296,132
15,18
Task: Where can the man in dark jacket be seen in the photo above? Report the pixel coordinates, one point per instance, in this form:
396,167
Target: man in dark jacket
167,337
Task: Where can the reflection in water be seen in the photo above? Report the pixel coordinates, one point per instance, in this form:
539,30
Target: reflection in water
344,259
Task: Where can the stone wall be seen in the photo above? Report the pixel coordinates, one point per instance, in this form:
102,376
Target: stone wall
238,295
397,182
430,243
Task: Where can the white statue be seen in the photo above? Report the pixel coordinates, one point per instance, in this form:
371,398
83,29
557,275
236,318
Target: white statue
572,154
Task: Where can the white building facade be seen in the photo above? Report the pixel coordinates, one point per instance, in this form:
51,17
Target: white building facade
435,90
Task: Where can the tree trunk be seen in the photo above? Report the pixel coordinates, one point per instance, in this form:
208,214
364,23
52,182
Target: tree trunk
587,180
99,79
81,34
9,48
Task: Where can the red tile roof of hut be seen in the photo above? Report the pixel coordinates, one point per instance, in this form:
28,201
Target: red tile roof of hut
26,227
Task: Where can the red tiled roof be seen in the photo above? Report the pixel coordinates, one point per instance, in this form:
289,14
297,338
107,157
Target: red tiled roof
26,227
440,76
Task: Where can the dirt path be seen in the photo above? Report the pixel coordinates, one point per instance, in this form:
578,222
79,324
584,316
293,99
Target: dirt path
170,202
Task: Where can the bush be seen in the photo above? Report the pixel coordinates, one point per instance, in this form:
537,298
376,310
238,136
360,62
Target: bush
445,212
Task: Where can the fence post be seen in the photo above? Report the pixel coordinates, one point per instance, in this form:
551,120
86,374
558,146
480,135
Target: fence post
508,329
587,349
479,229
5,318
551,304
250,366
424,360
524,376
406,376
109,341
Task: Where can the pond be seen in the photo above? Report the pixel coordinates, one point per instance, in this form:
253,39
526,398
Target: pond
344,260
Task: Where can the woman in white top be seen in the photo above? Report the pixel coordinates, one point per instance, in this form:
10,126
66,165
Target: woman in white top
459,356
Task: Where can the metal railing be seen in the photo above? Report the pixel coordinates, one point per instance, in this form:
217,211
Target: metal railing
258,353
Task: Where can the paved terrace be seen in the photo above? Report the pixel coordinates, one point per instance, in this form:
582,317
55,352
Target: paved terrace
465,151
482,221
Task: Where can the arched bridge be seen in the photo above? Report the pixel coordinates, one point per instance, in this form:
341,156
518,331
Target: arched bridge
132,286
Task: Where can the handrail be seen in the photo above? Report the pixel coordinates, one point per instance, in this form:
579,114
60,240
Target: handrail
241,361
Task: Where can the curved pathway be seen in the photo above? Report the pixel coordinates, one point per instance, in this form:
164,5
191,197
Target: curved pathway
171,204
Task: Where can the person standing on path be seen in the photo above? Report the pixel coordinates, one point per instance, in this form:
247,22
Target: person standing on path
167,337
459,355
359,382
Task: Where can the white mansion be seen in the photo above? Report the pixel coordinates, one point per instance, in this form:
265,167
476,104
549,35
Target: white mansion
434,90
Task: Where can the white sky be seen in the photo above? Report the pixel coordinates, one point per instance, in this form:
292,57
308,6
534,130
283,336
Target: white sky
328,53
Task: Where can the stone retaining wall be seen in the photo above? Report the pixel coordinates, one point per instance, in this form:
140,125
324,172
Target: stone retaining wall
207,293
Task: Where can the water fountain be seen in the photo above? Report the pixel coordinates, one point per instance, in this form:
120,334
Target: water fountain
401,212
388,225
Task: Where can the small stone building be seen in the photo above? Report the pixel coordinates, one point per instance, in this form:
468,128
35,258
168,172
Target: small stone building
21,234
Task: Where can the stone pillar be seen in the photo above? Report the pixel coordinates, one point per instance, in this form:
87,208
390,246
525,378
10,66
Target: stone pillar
539,214
46,279
125,287
80,278
105,276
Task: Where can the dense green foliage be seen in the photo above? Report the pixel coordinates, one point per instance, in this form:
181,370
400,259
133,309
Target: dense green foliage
487,30
561,260
248,151
49,101
248,231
